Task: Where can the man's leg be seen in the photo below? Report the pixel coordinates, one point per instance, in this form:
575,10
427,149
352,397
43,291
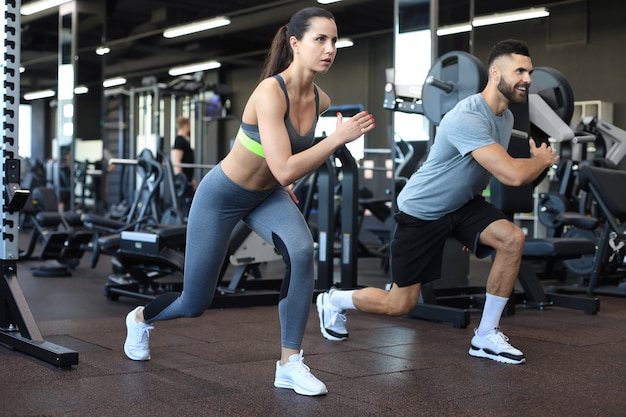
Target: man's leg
332,306
508,242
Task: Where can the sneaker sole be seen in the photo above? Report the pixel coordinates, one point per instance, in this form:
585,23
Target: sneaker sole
282,383
328,334
481,353
135,358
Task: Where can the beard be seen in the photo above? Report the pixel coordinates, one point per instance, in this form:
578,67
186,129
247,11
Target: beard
510,92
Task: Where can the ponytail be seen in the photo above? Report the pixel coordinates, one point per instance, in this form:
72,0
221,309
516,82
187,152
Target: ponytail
279,56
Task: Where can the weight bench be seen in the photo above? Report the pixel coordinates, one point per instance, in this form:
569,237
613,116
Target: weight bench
149,255
545,250
609,193
146,256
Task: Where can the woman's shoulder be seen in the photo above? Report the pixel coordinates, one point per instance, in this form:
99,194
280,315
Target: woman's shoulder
267,89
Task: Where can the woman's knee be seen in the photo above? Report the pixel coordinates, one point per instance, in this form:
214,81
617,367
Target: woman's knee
295,251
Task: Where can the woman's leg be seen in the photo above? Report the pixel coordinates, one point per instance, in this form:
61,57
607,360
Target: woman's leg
279,221
217,207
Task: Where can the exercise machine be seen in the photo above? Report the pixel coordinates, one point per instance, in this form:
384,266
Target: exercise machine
62,235
143,210
607,272
18,328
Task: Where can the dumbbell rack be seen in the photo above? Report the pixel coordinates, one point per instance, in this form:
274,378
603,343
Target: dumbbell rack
18,329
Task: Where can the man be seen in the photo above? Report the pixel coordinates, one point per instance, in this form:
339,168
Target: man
182,153
443,199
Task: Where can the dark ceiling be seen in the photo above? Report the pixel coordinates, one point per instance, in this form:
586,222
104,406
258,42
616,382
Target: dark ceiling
133,31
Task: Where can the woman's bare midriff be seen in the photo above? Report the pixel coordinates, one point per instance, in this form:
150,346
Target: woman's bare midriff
247,170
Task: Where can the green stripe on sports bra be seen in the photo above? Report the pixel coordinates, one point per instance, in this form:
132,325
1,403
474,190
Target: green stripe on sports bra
250,144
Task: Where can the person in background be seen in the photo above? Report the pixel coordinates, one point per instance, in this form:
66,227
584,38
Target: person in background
275,146
182,153
443,199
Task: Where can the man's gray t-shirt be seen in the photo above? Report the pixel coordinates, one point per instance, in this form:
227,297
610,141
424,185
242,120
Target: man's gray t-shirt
451,177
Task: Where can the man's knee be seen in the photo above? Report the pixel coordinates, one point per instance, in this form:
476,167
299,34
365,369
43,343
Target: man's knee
515,240
507,237
399,310
402,300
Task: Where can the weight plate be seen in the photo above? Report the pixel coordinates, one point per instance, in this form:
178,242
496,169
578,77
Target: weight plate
555,90
461,71
582,266
549,207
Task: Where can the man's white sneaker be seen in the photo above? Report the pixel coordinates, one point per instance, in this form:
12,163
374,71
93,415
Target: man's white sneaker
297,376
332,320
495,345
136,345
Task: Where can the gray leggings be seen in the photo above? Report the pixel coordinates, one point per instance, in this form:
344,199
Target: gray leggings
218,205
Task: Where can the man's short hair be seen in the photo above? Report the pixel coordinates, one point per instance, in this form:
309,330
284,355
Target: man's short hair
507,47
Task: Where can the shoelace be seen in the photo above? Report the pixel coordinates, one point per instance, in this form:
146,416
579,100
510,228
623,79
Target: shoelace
501,339
338,316
145,332
303,369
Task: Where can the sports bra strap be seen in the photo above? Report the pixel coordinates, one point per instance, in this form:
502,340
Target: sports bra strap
283,86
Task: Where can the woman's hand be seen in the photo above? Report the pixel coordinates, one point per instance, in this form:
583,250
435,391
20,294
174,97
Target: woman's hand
289,189
353,128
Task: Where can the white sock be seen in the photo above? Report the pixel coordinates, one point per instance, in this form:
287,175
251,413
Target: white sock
342,299
494,306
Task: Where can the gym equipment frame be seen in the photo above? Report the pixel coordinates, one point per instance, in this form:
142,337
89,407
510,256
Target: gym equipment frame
18,329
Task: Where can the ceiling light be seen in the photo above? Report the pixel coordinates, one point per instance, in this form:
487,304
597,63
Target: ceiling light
496,18
103,50
35,95
186,69
22,69
452,29
182,30
113,82
327,1
344,43
81,89
40,6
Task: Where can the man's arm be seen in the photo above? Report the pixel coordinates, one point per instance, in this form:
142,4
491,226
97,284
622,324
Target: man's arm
515,171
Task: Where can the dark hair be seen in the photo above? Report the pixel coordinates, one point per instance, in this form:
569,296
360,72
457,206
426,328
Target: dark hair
507,47
280,54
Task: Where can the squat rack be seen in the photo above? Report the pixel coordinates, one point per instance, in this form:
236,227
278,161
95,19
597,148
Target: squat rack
18,329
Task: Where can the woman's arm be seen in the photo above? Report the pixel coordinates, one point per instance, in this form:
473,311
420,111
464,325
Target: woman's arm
269,102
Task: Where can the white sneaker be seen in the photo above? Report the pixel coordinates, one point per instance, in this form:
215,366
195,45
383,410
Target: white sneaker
137,334
495,345
297,376
332,320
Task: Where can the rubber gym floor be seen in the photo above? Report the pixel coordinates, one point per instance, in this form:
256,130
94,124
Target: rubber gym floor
222,364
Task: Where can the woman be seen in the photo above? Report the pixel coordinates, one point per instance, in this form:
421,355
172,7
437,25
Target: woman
275,146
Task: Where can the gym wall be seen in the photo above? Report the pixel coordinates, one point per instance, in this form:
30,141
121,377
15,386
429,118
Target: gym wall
582,40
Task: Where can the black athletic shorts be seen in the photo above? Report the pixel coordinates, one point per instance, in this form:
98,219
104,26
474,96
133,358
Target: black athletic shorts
417,245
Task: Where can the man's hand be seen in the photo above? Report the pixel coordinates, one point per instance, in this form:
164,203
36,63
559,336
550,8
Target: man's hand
543,152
